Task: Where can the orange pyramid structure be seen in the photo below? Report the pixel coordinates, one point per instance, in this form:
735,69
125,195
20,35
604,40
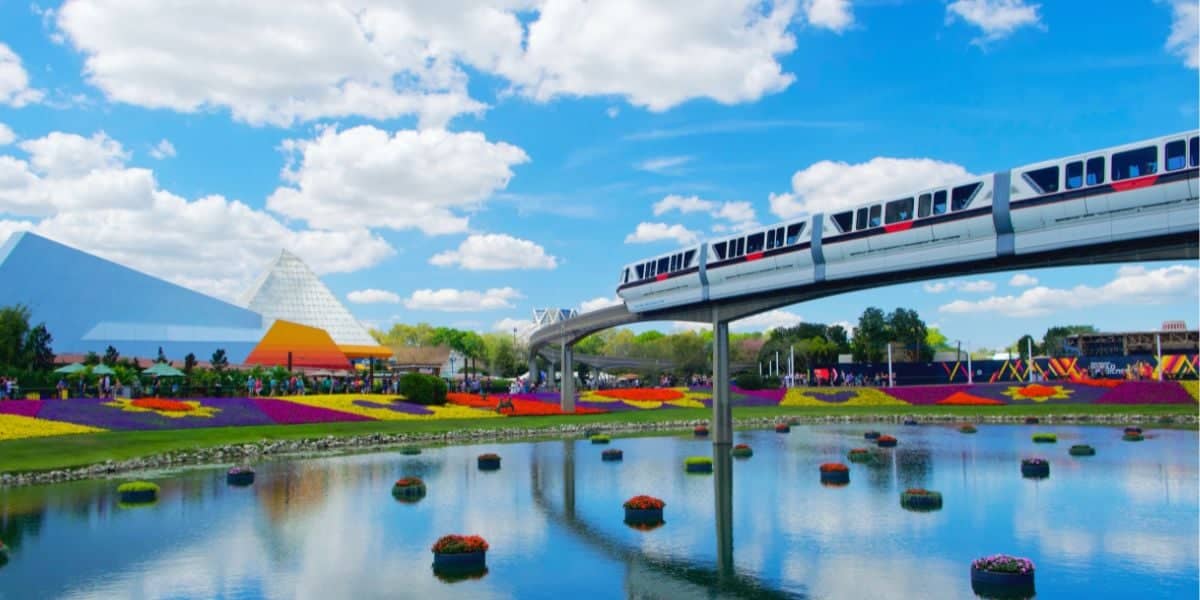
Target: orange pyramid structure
310,347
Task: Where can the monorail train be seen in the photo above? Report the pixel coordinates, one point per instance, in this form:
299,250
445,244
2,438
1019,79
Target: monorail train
1135,190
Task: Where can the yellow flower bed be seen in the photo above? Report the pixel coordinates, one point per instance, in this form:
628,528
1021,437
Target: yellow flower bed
16,427
689,402
1193,388
645,404
346,403
858,397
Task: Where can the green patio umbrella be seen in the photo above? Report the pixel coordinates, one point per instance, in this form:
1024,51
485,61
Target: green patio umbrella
102,369
70,369
163,370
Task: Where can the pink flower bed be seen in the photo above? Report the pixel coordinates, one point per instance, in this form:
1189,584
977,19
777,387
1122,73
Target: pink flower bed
294,413
925,395
1147,392
24,408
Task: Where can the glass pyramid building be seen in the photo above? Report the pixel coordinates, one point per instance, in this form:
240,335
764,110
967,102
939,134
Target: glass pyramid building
288,290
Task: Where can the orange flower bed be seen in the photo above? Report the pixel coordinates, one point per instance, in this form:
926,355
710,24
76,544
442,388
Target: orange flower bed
1035,390
965,399
472,400
520,407
162,404
642,394
830,467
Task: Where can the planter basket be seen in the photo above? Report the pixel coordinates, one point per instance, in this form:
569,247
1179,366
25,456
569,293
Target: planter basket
460,563
783,428
746,452
1133,437
137,496
968,429
489,463
1045,438
240,477
643,516
1137,430
921,502
600,439
886,442
860,457
408,493
700,431
1082,450
701,467
995,584
911,422
410,451
1035,470
871,435
612,454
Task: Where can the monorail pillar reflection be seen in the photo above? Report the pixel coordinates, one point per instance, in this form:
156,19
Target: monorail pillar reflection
723,507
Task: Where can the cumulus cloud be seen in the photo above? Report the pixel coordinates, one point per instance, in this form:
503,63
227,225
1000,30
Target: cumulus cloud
68,154
664,165
524,327
736,215
767,321
373,296
828,186
6,135
163,149
14,81
996,18
409,179
1023,280
612,112
598,303
1184,40
654,232
834,15
980,286
683,204
452,300
495,252
1133,285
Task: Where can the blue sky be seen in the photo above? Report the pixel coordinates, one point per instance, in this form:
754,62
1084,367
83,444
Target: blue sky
463,165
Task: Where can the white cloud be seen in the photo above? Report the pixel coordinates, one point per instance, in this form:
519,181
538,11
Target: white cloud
495,252
612,112
1184,40
163,149
6,135
767,321
738,215
1134,285
978,286
524,327
1023,280
663,165
834,15
366,177
373,296
688,204
654,232
452,300
690,326
598,303
78,191
14,81
828,186
996,18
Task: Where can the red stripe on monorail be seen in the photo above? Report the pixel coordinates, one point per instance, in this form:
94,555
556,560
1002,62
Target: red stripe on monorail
894,227
661,277
754,256
1133,184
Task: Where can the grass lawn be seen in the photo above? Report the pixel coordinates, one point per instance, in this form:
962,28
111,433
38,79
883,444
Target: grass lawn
43,454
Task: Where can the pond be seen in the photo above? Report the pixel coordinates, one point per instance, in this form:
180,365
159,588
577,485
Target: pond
1122,523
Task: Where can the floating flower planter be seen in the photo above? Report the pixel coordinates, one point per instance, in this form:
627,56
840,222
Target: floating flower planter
741,451
835,474
410,450
783,428
700,431
1045,438
1082,450
489,462
1031,420
1133,437
601,439
921,499
408,489
611,455
910,422
239,476
1035,468
137,492
871,435
860,455
697,464
1001,575
968,428
1133,430
460,555
885,441
644,511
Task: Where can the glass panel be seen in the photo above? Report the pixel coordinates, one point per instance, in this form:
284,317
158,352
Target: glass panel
1194,151
741,247
875,214
1135,163
898,210
641,271
1095,170
754,243
687,258
793,232
924,205
844,221
1044,180
719,250
1176,156
939,202
861,221
778,237
1075,175
663,266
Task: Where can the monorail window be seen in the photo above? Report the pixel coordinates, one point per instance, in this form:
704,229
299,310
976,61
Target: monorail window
771,239
664,265
1194,151
961,196
641,272
1176,156
754,243
924,205
845,221
860,222
650,270
687,258
1075,175
939,202
737,247
1095,170
719,250
1044,180
1135,163
675,263
876,213
778,237
793,233
898,210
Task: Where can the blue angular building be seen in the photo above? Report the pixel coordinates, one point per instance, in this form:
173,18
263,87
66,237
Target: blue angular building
89,303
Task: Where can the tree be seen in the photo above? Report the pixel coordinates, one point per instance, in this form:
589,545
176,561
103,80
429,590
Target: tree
37,347
1022,345
189,363
219,361
870,337
111,356
907,328
91,359
1052,342
14,327
935,339
836,334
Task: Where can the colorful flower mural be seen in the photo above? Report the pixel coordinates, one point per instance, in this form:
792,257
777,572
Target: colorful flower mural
1038,392
16,427
172,409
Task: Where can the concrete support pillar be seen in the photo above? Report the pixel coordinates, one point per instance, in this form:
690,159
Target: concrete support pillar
550,375
533,372
723,496
568,478
722,425
567,389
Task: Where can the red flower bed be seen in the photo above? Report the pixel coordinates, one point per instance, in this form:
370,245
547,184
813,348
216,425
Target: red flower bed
965,399
520,407
917,491
1035,390
162,404
645,503
742,446
885,438
641,394
460,544
858,451
471,400
831,467
409,482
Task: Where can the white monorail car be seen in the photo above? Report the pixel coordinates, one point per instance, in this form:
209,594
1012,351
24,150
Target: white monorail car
1131,191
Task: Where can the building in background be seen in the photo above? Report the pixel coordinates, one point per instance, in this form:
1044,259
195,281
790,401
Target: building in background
431,360
1177,340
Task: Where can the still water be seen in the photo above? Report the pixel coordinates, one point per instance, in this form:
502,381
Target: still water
1120,524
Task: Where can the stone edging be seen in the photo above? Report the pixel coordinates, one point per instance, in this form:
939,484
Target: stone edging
242,453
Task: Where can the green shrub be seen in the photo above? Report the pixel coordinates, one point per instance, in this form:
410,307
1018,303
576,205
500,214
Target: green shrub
697,460
423,389
749,381
499,386
1045,438
772,382
137,486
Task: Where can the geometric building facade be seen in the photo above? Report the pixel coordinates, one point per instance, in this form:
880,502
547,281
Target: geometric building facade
291,344
89,303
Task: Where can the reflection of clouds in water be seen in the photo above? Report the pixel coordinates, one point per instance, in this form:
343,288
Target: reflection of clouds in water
845,576
1159,552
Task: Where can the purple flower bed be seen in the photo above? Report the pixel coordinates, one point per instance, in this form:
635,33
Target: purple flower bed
1079,393
775,395
25,408
738,399
832,397
1147,392
92,412
922,395
400,407
283,412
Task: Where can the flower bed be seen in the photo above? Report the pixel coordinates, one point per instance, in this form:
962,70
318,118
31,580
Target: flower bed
408,489
871,435
968,428
842,397
239,476
1082,450
1002,575
698,464
782,428
122,415
1035,468
1133,437
859,455
1045,438
281,412
600,439
410,450
886,441
523,405
1147,392
921,499
835,474
612,455
459,554
1133,430
24,408
642,394
385,407
137,492
965,399
162,404
644,510
17,427
924,395
700,431
742,451
488,462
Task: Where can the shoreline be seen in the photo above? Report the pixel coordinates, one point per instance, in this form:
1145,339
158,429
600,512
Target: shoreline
327,445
